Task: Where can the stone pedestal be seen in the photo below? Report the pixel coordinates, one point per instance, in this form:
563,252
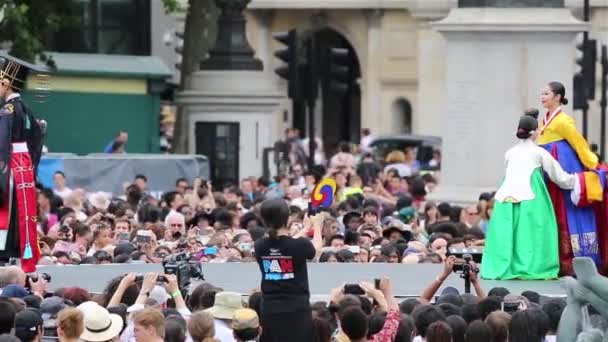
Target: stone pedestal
498,60
248,98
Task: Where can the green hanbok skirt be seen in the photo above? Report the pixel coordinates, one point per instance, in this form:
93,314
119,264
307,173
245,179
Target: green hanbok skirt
521,240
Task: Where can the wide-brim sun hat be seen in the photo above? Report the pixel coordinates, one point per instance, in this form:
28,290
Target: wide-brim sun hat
99,324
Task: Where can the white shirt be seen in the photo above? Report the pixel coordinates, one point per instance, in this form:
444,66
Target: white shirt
63,193
223,332
521,161
365,142
403,169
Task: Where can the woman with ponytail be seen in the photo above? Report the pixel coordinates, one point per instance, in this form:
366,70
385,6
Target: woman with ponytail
521,242
286,313
578,223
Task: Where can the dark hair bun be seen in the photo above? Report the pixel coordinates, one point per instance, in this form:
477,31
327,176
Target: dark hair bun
533,112
522,134
527,125
564,101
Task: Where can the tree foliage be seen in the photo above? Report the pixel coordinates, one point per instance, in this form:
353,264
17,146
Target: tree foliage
200,32
25,25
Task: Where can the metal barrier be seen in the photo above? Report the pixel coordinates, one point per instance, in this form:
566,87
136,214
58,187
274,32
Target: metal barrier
109,172
407,280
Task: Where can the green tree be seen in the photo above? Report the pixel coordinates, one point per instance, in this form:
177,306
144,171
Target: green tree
200,31
25,25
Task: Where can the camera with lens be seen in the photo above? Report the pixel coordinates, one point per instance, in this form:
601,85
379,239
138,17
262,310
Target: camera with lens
464,263
34,278
160,279
184,268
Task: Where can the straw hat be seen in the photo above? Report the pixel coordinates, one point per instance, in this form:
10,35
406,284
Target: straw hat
99,324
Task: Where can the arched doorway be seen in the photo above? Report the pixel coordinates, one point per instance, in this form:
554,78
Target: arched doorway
402,115
338,114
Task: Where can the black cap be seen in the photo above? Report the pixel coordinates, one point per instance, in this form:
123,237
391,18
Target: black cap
27,322
16,71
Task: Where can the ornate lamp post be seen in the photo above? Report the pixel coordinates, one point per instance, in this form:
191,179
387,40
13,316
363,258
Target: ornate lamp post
231,50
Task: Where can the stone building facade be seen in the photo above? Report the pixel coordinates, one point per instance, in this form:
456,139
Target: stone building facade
400,55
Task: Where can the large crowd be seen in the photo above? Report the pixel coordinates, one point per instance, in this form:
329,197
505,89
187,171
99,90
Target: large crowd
132,309
380,214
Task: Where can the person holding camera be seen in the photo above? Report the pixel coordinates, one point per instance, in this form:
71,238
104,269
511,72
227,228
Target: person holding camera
353,321
448,267
286,313
150,295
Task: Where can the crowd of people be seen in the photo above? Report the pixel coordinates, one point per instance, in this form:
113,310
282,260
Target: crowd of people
380,214
145,309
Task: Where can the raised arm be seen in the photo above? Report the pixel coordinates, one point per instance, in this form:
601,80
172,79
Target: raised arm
429,292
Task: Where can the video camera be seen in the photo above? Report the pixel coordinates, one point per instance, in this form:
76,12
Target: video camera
463,266
184,268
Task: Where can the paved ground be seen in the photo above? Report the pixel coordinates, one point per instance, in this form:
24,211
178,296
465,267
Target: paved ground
408,280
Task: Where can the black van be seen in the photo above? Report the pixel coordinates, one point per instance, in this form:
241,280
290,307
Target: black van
424,145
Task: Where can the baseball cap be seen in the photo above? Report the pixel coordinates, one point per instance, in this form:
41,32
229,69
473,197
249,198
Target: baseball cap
50,307
245,319
14,291
27,322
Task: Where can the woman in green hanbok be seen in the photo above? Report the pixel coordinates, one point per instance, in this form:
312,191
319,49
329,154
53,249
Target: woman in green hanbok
522,240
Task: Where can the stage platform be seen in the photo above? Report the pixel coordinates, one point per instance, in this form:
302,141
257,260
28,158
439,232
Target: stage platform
408,280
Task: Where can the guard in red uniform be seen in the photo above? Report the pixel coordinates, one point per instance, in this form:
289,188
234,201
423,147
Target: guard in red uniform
21,140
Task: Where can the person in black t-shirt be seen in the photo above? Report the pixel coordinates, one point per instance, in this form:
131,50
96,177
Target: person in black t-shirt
286,313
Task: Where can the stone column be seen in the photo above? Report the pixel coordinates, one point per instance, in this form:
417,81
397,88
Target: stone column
599,32
498,59
264,20
431,65
370,87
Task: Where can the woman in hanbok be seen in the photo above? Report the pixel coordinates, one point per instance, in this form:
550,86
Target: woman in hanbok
522,241
577,225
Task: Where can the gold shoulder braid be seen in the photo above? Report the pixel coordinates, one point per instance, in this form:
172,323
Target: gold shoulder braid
9,108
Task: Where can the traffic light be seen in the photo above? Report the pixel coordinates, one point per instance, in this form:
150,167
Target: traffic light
586,60
179,48
290,71
589,63
579,100
339,70
604,80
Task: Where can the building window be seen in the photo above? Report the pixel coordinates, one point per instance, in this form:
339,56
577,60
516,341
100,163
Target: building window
402,114
107,27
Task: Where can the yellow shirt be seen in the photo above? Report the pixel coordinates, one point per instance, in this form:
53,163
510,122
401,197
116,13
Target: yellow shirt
563,127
